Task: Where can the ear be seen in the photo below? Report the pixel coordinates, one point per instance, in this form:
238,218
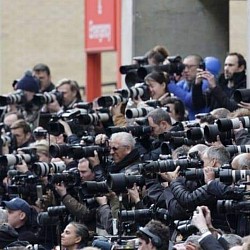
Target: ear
78,239
241,68
151,246
22,216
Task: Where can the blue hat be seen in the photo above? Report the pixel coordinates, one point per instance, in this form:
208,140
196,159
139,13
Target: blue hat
18,204
29,83
213,65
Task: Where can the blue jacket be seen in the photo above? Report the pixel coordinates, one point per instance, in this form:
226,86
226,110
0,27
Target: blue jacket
183,91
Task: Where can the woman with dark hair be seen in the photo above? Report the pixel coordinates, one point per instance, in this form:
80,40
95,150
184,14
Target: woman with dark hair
157,82
75,236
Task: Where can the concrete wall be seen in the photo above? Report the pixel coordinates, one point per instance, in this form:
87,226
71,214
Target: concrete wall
51,32
238,26
184,27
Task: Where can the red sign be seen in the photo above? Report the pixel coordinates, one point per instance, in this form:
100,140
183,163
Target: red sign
99,25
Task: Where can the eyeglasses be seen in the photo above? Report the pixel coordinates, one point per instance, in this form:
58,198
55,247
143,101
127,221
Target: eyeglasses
116,148
189,66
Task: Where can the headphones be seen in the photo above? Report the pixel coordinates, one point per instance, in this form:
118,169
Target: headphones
156,241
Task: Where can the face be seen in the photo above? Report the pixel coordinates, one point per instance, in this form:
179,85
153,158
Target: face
207,162
144,246
29,95
68,94
85,172
156,89
190,70
118,151
20,136
69,237
16,218
157,129
231,66
44,78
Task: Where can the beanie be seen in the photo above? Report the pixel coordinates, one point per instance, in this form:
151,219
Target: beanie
213,65
29,83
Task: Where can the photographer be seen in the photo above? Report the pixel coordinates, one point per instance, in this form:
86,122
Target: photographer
42,72
20,217
30,86
99,219
220,94
71,95
184,88
207,194
154,236
22,133
202,220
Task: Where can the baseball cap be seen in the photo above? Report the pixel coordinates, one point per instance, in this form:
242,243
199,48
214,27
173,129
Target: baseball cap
18,204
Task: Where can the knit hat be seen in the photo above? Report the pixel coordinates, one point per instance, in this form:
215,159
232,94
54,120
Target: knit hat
7,235
213,65
29,83
18,204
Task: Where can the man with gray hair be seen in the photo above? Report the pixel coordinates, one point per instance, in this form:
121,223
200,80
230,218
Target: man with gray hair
124,154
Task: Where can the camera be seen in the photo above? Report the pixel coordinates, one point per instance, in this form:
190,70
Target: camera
142,90
225,124
224,173
134,130
242,95
138,112
44,168
108,101
138,215
185,228
94,188
48,97
166,136
234,149
195,133
93,119
212,131
16,97
70,178
233,207
120,182
175,67
84,105
169,165
40,133
14,159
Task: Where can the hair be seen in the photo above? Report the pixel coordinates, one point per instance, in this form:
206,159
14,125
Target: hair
159,229
161,49
233,240
179,106
220,113
42,67
220,154
198,147
242,161
74,87
158,115
182,150
124,138
156,56
199,60
21,123
241,59
81,231
19,115
239,112
158,76
210,119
